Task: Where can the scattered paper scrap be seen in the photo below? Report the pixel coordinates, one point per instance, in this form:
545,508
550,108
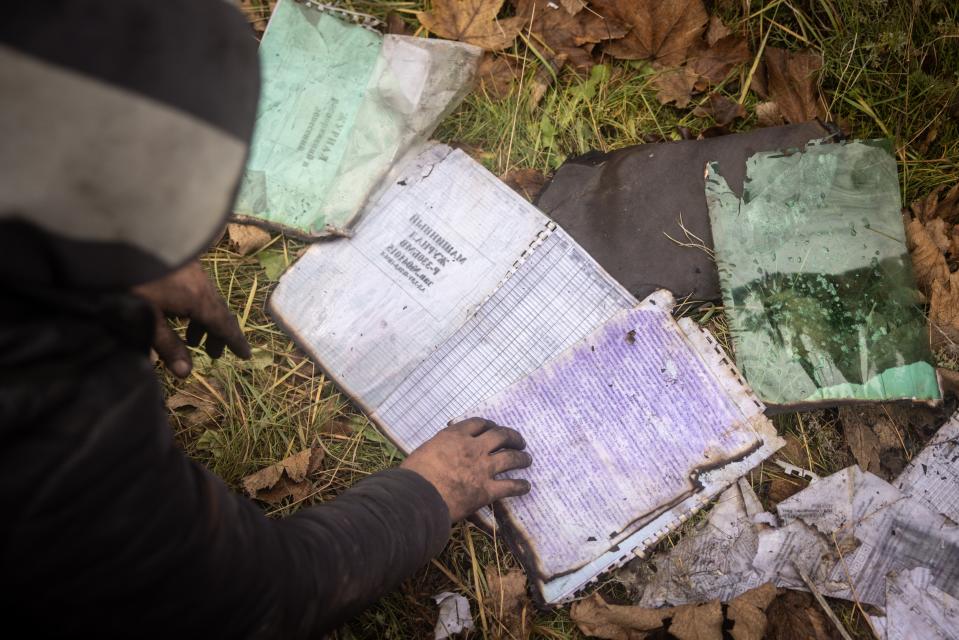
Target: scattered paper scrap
916,608
454,615
932,478
817,285
744,618
287,478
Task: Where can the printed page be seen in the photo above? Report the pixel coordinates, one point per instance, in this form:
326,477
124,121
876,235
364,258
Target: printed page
932,477
369,309
555,296
623,428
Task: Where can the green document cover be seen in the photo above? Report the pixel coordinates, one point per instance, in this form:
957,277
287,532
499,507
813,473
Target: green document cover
340,107
816,278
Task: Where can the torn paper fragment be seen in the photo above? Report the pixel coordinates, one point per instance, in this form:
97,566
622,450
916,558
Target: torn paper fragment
712,562
454,615
340,106
816,280
632,430
932,477
915,608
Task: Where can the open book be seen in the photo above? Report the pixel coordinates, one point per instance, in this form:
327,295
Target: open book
452,289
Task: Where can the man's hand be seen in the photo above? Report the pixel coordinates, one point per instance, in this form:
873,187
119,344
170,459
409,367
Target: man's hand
189,293
462,460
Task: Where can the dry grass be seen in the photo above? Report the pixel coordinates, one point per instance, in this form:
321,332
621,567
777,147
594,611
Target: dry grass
890,70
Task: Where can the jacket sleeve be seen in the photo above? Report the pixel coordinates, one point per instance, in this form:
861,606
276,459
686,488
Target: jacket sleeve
112,528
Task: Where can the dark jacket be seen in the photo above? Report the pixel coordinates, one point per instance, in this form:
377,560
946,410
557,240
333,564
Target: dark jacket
124,129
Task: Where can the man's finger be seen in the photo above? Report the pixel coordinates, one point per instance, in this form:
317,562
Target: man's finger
510,459
502,438
509,488
221,323
195,331
171,349
214,345
475,426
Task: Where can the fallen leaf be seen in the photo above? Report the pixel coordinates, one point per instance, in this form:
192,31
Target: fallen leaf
768,114
337,428
526,182
949,380
498,75
509,603
876,434
595,617
944,315
715,61
928,261
194,405
396,25
273,263
246,238
790,79
942,203
573,6
660,31
795,615
472,21
287,478
720,108
676,86
717,30
569,35
544,78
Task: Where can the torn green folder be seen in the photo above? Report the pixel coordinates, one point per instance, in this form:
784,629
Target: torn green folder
340,107
816,279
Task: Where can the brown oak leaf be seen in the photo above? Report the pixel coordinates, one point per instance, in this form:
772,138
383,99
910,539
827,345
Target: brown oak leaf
660,31
472,21
677,85
526,182
246,238
768,114
498,75
287,478
720,108
717,30
715,61
746,614
790,79
569,35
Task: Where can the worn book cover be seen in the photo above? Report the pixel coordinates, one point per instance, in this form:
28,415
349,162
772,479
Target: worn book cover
817,283
341,106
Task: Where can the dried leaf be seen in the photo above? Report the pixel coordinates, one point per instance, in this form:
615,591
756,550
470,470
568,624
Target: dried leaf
338,428
595,617
876,434
545,77
949,380
768,114
288,477
720,108
942,203
928,262
715,61
526,182
509,603
794,615
498,75
790,79
573,6
194,405
676,86
472,21
944,314
567,34
661,31
246,238
717,30
396,25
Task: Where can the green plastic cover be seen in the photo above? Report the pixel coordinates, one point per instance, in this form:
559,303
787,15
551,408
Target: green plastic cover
341,106
816,278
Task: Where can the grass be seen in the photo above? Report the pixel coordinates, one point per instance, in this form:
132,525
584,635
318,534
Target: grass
891,69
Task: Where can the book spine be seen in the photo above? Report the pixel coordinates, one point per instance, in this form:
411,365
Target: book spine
540,238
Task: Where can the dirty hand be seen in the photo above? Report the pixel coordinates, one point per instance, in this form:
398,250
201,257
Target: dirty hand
462,460
189,293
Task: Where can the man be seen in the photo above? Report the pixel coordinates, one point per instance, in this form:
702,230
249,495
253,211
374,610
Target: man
123,131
